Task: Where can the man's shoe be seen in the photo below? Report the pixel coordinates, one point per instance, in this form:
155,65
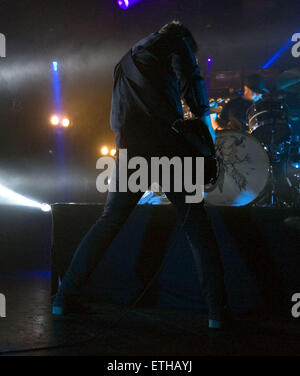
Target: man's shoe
59,305
215,324
225,321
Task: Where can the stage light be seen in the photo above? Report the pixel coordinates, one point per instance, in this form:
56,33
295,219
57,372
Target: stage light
56,87
207,74
124,4
104,150
13,198
113,152
45,207
65,122
54,120
55,66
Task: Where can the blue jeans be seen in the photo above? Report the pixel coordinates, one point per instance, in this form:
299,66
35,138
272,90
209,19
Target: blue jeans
195,224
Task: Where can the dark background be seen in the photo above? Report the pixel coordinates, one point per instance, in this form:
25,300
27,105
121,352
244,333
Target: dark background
87,38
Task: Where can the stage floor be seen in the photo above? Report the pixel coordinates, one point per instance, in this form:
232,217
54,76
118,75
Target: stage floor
112,329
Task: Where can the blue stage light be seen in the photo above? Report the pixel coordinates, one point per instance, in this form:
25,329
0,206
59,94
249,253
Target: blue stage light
207,74
55,66
278,54
56,86
60,146
124,4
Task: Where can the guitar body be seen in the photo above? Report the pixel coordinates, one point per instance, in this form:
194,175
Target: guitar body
200,142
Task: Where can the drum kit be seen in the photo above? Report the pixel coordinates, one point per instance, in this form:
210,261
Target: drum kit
261,167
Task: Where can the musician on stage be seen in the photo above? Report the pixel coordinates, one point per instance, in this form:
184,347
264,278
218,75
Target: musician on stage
149,82
234,113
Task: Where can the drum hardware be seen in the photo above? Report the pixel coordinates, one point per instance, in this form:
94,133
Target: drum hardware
278,136
289,82
278,155
214,105
215,110
268,122
274,195
293,163
294,155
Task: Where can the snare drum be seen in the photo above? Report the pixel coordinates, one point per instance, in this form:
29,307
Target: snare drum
243,170
268,122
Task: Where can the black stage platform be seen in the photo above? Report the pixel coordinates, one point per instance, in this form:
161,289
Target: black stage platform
261,257
260,254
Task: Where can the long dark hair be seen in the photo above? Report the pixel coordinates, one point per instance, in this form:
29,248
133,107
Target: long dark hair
176,28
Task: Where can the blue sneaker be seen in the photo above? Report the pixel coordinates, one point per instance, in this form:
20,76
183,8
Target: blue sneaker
215,324
59,305
224,321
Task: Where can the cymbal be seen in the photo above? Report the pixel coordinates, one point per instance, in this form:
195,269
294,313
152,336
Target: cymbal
289,81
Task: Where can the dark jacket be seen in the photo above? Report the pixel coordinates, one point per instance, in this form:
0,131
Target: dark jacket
149,82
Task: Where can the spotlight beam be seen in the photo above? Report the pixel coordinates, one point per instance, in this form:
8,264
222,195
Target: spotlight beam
14,198
56,86
278,54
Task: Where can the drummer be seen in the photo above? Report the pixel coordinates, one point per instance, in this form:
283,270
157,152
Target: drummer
234,114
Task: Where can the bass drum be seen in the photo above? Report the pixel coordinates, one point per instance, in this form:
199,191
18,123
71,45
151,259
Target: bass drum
243,170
